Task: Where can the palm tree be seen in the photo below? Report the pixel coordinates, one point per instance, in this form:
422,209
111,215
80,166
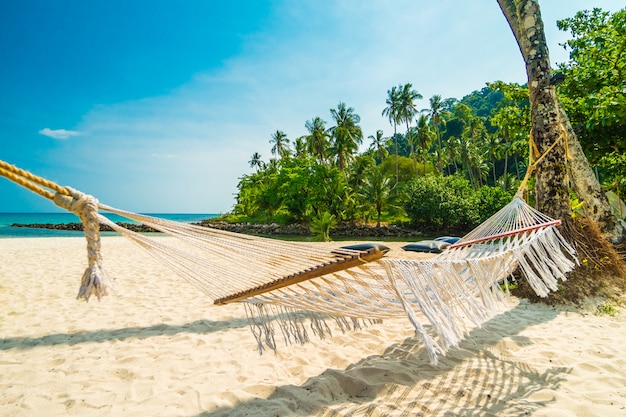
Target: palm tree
300,147
378,144
495,150
407,112
346,135
376,191
547,119
255,161
424,136
434,112
392,112
280,145
317,139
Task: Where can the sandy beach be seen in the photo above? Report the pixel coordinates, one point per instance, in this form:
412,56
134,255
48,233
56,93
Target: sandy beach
157,347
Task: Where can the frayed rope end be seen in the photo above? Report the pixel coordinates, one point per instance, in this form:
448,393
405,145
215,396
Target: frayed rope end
94,282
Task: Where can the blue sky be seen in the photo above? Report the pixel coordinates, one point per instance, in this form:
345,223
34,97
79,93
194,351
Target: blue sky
156,106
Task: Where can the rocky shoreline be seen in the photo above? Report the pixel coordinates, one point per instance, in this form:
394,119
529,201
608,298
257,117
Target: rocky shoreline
272,229
78,227
343,230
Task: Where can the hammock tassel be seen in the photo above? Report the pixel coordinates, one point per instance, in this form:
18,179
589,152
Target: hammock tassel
94,281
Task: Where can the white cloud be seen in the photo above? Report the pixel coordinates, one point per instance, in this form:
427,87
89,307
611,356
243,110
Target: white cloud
58,133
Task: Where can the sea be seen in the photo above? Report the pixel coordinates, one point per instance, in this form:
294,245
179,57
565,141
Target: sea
7,219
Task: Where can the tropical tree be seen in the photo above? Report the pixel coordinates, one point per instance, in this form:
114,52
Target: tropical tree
378,145
434,112
346,135
294,187
392,112
376,191
495,151
424,136
549,122
512,122
594,86
300,148
317,139
256,162
321,226
407,113
280,144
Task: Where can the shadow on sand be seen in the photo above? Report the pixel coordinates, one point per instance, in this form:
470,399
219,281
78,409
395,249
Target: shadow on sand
474,379
198,327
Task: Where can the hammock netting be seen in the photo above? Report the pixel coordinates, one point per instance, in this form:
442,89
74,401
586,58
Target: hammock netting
298,289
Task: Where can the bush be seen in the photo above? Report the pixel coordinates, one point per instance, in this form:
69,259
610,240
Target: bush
492,199
451,203
444,203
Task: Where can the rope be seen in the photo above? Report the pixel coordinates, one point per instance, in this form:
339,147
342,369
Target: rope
94,280
532,165
31,181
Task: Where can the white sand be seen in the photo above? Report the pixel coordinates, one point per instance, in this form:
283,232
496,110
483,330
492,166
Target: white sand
157,347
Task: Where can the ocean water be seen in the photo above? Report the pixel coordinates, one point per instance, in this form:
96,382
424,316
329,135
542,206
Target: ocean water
7,219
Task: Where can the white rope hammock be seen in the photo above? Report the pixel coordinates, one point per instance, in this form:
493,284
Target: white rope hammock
301,288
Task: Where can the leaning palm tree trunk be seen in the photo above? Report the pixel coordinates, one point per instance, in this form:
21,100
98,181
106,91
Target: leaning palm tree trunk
550,123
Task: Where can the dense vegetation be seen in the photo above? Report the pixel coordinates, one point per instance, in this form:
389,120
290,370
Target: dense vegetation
448,166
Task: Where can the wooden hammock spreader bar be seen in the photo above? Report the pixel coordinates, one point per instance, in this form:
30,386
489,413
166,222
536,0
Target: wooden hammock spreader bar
505,234
339,264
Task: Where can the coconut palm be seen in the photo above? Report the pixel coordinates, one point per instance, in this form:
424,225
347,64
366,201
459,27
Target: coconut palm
376,191
317,139
300,147
378,144
280,145
407,112
346,135
256,162
547,119
434,112
392,112
424,137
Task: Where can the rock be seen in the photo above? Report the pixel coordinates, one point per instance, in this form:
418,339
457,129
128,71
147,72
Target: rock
140,228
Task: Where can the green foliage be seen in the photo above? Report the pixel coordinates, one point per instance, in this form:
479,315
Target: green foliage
406,168
593,92
614,165
492,199
451,203
483,102
442,202
321,226
377,192
608,308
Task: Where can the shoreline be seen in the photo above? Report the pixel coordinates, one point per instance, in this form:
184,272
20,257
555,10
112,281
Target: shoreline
155,346
290,231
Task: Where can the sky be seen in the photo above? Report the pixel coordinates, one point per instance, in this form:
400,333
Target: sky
157,106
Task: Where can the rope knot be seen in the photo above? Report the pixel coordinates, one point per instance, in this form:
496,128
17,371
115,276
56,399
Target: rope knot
94,281
81,204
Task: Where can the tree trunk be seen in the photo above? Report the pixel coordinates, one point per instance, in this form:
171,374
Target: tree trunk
524,18
589,190
547,119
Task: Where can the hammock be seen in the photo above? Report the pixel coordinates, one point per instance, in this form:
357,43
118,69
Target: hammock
301,288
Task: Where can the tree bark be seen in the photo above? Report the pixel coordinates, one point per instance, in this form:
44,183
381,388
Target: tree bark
552,191
547,121
588,189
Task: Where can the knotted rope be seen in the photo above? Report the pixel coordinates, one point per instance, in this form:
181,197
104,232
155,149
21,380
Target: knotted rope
535,157
94,280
